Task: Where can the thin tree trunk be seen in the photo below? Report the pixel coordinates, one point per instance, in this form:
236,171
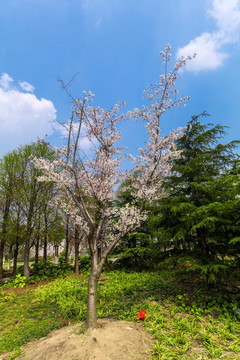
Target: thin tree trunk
1,258
37,250
4,234
26,259
37,243
15,257
45,249
56,255
67,239
92,300
27,241
17,242
9,256
92,292
76,244
45,235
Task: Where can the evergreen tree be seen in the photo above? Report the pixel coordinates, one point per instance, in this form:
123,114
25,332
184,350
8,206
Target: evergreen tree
197,212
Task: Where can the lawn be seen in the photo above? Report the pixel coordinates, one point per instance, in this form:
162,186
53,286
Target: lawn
187,319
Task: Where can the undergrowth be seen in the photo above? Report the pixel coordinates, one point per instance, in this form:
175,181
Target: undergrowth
188,319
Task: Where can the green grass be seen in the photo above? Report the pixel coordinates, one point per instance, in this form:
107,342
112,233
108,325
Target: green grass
188,322
23,319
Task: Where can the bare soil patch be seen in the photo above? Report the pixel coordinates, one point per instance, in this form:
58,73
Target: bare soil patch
112,340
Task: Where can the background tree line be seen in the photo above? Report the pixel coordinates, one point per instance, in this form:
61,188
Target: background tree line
28,221
199,213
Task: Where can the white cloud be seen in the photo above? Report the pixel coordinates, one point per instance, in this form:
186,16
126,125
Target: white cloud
5,81
26,86
208,50
227,14
23,116
209,47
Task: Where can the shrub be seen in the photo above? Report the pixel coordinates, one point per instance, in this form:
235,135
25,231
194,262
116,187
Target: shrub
44,270
84,263
62,262
135,258
18,282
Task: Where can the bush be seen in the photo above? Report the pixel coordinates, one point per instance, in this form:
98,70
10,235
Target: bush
135,258
84,263
18,282
44,270
62,262
20,270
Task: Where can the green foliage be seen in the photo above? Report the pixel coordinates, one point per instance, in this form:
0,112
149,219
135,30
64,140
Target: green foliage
186,319
84,263
134,258
212,270
201,211
18,282
62,261
46,270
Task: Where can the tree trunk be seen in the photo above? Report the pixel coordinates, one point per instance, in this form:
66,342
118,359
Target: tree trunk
26,258
76,244
92,299
9,256
4,234
45,249
37,243
1,258
56,255
45,235
67,239
15,257
96,270
28,236
27,248
37,250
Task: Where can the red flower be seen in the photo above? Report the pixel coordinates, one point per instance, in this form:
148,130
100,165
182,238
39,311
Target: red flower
141,315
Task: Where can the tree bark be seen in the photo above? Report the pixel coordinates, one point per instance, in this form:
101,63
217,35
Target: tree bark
56,255
26,258
76,244
1,258
15,257
96,270
9,256
67,239
45,249
4,233
92,293
28,238
45,242
37,250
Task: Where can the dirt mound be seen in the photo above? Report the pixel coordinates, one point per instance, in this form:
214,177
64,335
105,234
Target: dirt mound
112,340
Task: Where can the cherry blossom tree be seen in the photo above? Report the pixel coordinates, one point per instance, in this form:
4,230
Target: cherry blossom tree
88,184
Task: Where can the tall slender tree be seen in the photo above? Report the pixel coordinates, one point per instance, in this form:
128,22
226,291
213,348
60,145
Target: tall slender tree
8,169
30,192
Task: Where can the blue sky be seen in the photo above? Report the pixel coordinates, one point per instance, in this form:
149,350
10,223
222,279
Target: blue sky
113,46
